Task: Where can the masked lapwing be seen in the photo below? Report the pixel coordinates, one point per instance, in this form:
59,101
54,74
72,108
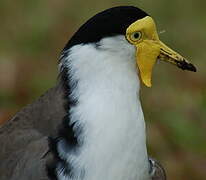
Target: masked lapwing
90,126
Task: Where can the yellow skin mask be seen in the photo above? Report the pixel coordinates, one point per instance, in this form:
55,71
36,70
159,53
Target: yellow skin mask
143,35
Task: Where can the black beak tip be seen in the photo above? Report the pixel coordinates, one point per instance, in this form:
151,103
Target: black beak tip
186,66
192,67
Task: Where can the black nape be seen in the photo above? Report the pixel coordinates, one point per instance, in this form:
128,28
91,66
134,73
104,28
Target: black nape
111,22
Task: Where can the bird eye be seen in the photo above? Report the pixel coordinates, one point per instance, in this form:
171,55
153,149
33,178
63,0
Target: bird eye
136,36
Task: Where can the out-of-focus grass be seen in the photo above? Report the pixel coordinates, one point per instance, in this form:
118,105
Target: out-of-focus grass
34,32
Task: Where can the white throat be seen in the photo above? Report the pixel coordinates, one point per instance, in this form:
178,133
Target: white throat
109,110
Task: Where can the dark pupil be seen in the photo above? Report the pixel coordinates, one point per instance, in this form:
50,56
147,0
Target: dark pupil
136,35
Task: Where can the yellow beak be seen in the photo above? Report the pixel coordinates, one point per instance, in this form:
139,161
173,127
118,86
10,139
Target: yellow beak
149,51
149,48
168,55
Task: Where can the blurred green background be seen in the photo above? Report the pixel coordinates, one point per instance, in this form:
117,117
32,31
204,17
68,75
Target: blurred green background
32,33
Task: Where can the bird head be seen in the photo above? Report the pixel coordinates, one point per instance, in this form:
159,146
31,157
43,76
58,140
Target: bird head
139,30
143,35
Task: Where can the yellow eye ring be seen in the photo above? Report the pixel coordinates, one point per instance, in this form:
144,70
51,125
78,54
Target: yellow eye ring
136,36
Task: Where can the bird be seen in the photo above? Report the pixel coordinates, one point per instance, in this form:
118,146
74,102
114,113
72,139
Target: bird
90,125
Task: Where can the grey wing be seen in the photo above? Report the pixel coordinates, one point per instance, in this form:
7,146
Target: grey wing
26,159
23,139
32,165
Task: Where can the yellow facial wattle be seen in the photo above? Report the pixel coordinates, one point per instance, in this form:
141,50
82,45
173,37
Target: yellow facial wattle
143,35
147,54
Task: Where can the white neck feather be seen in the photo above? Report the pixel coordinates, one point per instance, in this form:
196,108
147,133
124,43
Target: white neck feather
114,142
